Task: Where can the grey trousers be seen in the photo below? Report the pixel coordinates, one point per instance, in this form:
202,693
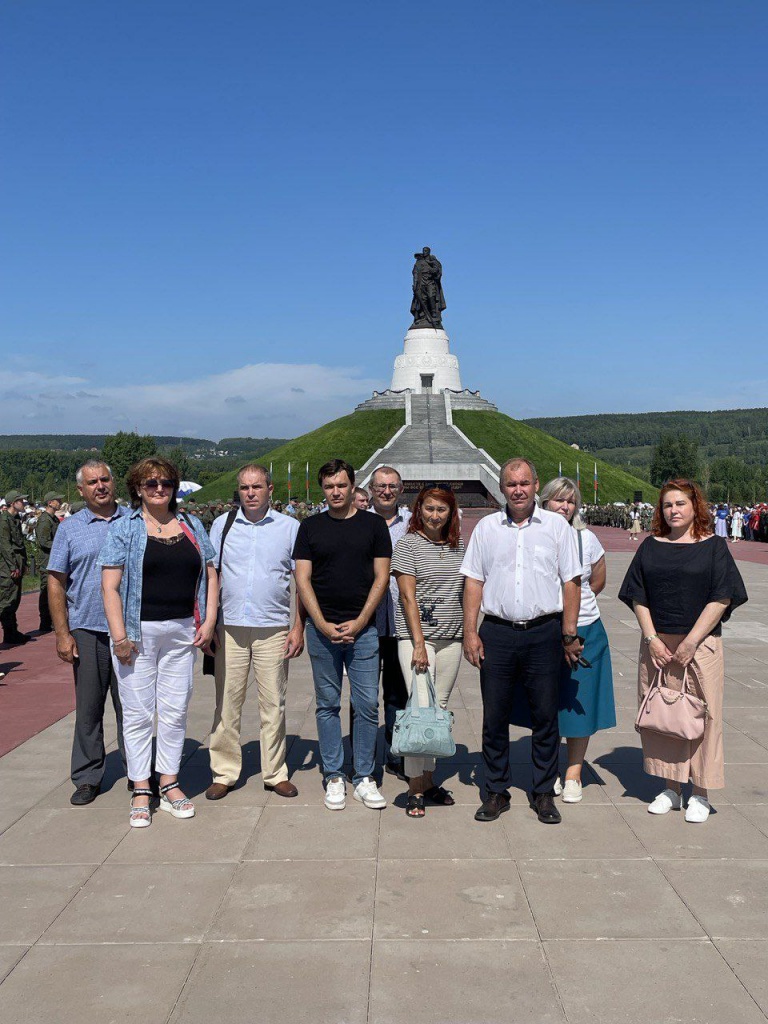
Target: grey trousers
94,681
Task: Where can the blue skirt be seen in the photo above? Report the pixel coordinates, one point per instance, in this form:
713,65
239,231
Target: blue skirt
586,694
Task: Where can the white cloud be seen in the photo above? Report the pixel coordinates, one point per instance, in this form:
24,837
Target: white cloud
263,399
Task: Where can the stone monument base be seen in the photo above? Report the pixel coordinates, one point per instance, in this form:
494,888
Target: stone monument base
426,365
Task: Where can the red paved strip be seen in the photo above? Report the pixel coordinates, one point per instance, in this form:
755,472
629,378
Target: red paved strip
37,689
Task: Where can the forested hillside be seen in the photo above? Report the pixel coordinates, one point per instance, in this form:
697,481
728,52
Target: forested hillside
627,438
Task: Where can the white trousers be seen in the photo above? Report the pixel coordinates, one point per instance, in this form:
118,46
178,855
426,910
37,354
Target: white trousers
158,681
444,664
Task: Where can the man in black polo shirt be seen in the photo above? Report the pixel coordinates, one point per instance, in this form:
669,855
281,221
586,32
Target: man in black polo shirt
342,571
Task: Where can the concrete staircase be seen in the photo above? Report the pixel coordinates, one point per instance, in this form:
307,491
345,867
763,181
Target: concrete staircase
430,438
430,447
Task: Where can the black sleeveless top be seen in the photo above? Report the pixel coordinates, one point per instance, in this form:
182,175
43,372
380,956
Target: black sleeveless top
169,581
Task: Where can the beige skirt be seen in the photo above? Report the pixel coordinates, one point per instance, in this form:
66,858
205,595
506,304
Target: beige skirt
699,761
636,526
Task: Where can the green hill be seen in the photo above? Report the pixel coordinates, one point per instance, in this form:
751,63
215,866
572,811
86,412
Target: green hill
502,437
354,438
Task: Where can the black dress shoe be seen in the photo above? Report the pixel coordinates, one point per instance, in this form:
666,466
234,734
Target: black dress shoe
15,639
84,794
494,805
544,805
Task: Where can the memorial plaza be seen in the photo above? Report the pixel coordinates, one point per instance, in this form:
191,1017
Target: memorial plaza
270,911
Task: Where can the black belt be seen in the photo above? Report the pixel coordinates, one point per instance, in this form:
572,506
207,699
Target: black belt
529,624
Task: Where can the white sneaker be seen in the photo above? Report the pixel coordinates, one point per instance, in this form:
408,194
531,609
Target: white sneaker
367,792
572,791
698,809
667,800
335,794
558,787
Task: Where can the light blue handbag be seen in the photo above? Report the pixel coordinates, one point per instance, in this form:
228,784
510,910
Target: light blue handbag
423,732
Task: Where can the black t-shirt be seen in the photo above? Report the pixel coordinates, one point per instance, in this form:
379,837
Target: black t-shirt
342,552
676,581
169,582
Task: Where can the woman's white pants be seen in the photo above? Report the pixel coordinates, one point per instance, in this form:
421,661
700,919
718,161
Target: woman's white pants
157,682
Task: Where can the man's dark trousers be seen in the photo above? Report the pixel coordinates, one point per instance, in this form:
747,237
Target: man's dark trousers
533,659
94,681
393,691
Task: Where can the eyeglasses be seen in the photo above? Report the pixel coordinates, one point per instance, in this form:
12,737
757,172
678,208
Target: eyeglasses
380,488
154,483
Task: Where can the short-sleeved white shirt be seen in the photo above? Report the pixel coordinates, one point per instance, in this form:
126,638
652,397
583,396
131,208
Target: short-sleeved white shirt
522,567
592,551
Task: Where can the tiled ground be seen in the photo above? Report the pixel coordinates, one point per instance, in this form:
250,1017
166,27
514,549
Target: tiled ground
274,911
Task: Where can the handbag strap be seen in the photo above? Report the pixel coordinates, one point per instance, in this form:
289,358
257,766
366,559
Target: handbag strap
231,516
413,700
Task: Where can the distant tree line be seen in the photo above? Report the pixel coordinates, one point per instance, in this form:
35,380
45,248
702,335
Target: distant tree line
38,469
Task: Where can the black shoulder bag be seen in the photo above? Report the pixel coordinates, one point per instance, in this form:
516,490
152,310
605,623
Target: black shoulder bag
209,660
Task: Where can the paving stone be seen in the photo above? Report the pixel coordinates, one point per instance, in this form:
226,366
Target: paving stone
291,831
276,982
585,831
78,835
31,898
96,984
726,833
469,899
9,957
634,982
141,903
728,897
604,899
280,900
749,959
217,834
461,983
444,832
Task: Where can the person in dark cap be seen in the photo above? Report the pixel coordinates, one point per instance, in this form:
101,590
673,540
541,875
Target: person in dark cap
45,531
13,562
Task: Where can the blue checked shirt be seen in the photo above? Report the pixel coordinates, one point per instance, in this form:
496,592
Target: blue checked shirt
76,547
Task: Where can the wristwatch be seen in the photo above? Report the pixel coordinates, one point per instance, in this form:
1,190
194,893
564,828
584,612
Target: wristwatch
647,639
569,638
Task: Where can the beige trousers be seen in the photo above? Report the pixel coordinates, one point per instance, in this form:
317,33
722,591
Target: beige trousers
700,761
444,664
243,648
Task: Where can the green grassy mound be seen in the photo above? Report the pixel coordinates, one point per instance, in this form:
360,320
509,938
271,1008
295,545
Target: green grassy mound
502,437
354,438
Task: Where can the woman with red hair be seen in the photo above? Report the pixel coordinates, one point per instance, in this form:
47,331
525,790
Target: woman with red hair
429,620
682,585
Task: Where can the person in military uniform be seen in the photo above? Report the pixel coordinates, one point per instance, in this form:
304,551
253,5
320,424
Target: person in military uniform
45,531
13,562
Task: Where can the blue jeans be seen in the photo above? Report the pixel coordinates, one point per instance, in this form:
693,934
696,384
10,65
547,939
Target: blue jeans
362,662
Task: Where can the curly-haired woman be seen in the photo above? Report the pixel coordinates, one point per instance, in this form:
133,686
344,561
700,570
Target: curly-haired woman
682,585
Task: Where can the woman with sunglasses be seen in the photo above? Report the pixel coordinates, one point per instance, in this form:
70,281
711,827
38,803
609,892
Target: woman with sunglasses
160,594
586,689
429,619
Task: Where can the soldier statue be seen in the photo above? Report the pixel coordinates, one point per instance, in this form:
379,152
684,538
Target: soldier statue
428,299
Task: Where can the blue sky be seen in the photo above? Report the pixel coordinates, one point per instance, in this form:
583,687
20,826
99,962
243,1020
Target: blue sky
209,210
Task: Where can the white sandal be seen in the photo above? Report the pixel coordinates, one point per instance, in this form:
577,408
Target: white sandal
181,808
141,817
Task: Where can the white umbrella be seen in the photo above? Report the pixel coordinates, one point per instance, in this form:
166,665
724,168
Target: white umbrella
187,487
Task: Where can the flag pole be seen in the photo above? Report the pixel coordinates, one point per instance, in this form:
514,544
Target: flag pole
289,481
307,479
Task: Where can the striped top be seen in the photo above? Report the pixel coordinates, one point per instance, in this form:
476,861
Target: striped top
439,586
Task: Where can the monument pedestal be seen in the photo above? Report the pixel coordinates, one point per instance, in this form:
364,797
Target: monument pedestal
426,365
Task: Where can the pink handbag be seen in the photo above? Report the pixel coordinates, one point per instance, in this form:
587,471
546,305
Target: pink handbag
678,713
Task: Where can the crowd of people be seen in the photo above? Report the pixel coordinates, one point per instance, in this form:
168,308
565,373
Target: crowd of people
734,522
387,596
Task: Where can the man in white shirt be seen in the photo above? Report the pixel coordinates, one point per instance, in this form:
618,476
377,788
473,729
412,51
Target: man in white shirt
254,632
523,573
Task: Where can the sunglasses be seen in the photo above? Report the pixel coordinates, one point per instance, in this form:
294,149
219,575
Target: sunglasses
154,483
439,487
